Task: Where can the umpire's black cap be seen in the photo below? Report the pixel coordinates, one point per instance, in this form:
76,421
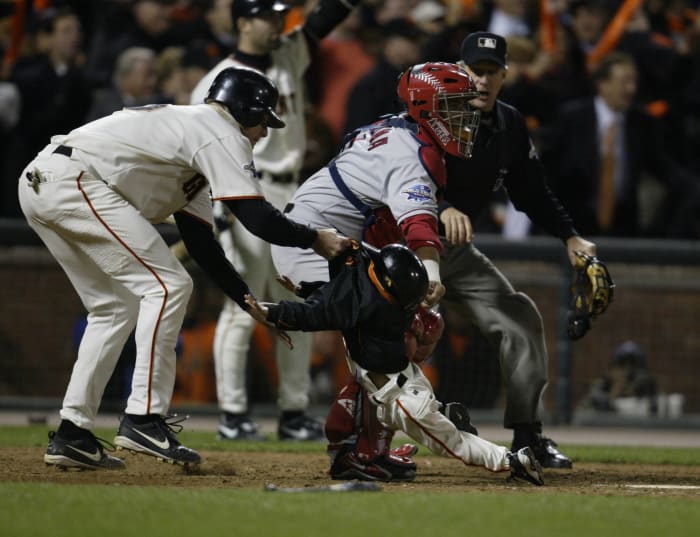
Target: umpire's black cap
484,46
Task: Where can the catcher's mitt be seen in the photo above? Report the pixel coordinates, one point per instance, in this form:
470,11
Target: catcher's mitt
592,292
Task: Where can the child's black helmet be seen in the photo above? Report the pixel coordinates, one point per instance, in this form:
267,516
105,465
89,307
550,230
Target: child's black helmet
402,274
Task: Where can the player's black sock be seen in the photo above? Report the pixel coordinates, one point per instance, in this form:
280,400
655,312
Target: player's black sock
70,431
234,415
524,434
140,419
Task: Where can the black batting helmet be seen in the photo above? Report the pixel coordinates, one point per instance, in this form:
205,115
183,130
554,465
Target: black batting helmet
402,273
252,8
250,97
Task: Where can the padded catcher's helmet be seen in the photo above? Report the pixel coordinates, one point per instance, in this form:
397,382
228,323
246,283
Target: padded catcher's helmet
437,96
401,273
250,97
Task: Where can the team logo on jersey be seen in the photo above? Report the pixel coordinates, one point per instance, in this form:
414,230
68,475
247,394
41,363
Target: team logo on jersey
418,193
251,168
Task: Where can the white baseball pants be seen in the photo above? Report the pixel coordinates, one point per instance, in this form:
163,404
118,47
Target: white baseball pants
125,276
410,406
252,259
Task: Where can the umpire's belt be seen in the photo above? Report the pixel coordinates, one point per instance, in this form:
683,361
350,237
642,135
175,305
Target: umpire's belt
63,150
283,178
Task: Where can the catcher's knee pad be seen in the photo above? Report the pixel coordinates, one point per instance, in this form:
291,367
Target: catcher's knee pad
341,422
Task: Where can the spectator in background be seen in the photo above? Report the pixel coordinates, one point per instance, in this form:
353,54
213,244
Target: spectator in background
430,16
215,28
217,14
586,22
583,24
137,23
180,69
600,149
135,83
523,87
375,93
511,17
54,93
343,58
628,377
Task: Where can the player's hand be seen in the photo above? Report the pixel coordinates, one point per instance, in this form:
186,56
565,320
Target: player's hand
288,284
330,243
579,244
435,292
458,226
258,311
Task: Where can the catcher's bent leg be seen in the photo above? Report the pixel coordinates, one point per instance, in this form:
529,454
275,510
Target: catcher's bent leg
359,443
416,412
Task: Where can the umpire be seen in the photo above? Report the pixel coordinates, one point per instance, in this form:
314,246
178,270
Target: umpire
503,157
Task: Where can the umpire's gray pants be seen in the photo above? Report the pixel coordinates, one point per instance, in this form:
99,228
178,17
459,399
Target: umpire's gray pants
510,321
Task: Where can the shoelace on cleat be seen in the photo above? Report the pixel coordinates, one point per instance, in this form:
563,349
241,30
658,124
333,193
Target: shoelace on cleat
170,425
103,445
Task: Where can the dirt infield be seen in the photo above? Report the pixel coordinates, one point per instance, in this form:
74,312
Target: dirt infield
255,470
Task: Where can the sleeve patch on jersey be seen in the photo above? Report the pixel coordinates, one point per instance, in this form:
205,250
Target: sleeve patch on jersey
418,193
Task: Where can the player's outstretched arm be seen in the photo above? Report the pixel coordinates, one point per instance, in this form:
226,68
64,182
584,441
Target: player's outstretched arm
330,243
201,244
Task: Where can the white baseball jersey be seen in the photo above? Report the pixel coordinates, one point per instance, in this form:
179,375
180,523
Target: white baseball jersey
282,151
169,160
93,205
384,165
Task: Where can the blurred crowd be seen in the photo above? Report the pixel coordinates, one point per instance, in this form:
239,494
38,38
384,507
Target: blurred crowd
65,62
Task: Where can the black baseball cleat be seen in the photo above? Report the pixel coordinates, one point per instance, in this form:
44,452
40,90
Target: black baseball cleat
525,467
300,427
238,427
156,437
349,465
86,451
546,452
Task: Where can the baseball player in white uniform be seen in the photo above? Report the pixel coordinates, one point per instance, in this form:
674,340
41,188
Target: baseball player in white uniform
278,160
92,196
384,185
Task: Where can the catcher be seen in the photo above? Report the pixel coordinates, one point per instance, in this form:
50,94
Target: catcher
374,298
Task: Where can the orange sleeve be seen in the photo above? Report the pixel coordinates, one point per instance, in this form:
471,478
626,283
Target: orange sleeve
613,32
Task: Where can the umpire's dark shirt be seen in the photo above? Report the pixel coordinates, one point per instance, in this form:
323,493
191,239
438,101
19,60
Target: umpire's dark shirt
372,326
504,157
